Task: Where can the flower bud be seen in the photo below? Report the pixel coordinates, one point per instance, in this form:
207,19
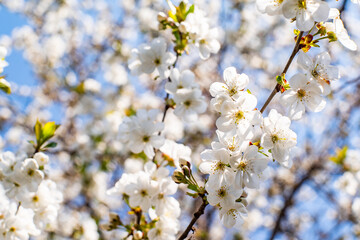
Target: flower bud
114,219
161,17
186,170
138,234
184,162
178,177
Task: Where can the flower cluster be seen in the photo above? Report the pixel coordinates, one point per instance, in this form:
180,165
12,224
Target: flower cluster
201,35
190,27
307,90
151,190
29,203
308,14
238,159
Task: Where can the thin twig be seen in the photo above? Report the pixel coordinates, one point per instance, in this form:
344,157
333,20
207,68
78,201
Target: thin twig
197,215
291,58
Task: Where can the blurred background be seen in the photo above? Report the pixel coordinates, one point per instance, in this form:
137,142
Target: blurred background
68,63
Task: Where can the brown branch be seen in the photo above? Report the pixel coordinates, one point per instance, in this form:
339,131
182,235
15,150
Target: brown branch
289,198
197,215
291,58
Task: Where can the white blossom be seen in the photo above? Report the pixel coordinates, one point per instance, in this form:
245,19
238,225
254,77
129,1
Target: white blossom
278,137
215,163
249,164
232,215
189,103
240,113
337,26
306,12
303,92
150,57
320,69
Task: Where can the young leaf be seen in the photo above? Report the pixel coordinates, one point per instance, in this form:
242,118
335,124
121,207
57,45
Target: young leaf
48,130
37,129
51,145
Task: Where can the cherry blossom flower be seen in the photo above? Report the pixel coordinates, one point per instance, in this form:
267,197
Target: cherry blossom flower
234,84
203,37
232,215
189,103
18,223
249,165
163,230
278,137
239,114
233,141
320,69
337,26
271,7
306,12
163,201
142,193
150,57
303,92
224,195
185,79
140,132
216,163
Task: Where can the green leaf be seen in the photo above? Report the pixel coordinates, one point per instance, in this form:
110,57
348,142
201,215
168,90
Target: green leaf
279,80
193,195
182,8
340,156
191,9
51,145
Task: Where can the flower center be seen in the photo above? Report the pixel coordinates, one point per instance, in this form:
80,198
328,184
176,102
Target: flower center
143,193
232,91
302,4
274,138
220,166
30,172
161,196
238,116
242,165
157,61
222,192
301,93
146,138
